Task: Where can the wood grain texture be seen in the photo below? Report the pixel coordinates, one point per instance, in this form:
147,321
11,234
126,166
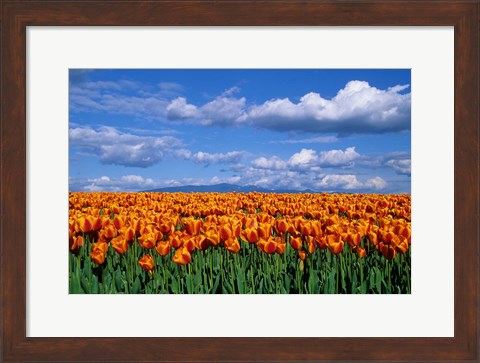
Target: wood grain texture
16,15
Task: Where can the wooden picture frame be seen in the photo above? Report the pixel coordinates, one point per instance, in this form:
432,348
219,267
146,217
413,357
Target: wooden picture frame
18,15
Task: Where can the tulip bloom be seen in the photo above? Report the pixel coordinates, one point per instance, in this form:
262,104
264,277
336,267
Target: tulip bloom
119,244
193,226
232,245
182,256
225,232
334,243
76,243
268,245
98,256
147,240
250,235
296,242
361,252
264,230
84,224
388,251
163,248
146,262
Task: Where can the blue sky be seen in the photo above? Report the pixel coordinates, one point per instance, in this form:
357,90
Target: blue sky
325,130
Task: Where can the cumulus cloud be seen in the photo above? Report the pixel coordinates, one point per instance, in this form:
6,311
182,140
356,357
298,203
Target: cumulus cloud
309,159
349,182
222,111
338,157
178,109
358,108
108,184
208,158
274,163
401,166
399,161
114,147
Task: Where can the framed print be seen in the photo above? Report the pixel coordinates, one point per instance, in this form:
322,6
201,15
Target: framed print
223,95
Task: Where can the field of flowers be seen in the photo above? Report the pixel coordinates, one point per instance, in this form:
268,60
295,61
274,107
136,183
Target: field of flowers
235,243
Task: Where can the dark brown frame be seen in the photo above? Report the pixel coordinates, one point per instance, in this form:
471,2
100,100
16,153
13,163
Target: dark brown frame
17,15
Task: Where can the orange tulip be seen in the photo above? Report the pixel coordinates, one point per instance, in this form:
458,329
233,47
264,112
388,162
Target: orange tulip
84,224
76,242
193,226
163,248
310,244
119,244
264,230
213,236
118,222
302,254
146,262
268,245
166,226
361,252
109,231
250,235
182,256
321,242
176,239
202,243
281,226
387,251
190,243
101,246
128,234
232,245
225,232
296,242
334,243
280,247
98,256
147,240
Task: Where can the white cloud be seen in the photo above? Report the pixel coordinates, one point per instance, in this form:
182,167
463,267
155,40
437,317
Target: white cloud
222,111
376,183
108,184
357,108
178,109
309,159
208,158
402,166
117,97
310,140
338,157
170,87
274,163
114,147
350,182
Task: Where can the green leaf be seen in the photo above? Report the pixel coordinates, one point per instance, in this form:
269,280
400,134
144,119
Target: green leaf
120,286
228,287
241,282
174,286
215,285
94,285
378,280
136,286
287,282
85,285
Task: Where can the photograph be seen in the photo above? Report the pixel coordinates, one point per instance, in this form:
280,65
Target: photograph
239,181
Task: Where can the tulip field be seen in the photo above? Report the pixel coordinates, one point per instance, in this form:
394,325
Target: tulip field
237,243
